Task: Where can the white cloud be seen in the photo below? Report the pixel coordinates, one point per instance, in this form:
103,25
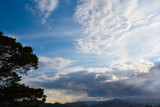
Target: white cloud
119,28
46,7
139,66
55,63
29,8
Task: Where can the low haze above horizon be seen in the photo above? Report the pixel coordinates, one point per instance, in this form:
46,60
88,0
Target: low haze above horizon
88,50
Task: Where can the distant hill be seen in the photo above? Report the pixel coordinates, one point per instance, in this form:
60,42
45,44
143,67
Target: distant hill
144,100
131,102
41,104
89,103
77,104
118,103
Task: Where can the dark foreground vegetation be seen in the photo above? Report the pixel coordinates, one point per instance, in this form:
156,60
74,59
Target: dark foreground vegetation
16,60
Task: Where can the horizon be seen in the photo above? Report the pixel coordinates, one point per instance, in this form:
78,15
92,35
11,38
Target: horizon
90,50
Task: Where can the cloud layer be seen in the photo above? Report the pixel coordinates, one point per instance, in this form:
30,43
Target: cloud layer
118,27
99,83
54,63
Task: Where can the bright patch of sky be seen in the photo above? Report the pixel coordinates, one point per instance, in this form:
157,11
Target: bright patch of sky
83,44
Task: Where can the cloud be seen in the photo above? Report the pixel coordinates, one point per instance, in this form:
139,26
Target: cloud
139,66
148,83
54,63
119,28
45,8
79,82
120,34
29,8
100,83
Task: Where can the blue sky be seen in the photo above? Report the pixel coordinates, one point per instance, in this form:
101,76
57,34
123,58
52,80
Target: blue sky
89,49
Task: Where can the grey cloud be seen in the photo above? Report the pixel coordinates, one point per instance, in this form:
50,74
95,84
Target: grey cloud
103,84
83,81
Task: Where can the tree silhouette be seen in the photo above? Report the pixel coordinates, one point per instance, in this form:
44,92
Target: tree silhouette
16,60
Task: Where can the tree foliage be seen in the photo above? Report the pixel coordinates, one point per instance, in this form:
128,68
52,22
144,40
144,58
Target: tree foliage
16,60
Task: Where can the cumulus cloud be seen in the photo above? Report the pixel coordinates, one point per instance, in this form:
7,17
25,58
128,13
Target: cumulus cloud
99,83
103,84
119,28
55,63
96,83
139,66
147,83
79,82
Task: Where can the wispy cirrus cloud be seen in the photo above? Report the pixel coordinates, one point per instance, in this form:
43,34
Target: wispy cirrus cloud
46,7
43,7
118,27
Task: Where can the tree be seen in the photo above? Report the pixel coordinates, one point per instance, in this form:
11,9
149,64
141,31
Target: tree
16,60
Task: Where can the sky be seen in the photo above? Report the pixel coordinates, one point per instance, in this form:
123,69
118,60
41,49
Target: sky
88,50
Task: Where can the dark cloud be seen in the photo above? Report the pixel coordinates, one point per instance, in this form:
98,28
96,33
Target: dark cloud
103,85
